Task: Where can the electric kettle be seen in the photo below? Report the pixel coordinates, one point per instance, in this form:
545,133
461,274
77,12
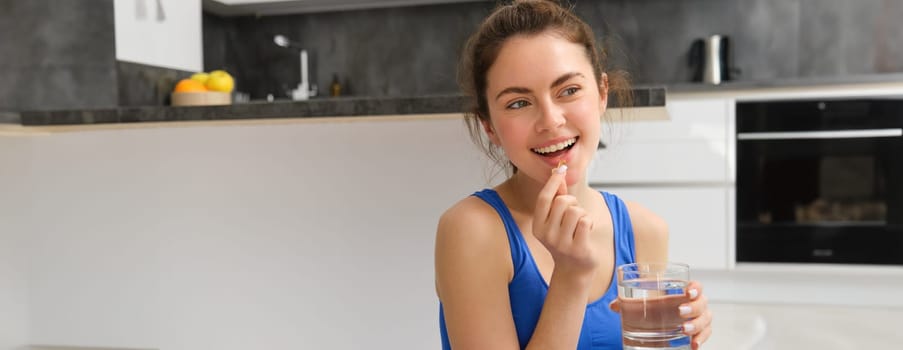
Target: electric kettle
711,61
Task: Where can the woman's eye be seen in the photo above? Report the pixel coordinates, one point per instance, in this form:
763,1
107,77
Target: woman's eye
570,91
517,104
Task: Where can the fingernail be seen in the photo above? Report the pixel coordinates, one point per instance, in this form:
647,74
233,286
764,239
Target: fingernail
685,309
694,293
689,327
561,170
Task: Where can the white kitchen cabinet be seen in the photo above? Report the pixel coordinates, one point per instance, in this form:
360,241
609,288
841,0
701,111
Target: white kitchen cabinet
697,219
162,33
680,168
660,162
693,146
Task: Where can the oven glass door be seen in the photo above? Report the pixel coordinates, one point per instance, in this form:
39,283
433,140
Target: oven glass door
820,196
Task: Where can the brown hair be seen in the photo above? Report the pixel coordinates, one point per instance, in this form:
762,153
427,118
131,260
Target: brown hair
524,17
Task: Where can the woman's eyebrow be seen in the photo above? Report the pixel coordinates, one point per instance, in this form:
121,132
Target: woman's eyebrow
565,77
522,90
513,90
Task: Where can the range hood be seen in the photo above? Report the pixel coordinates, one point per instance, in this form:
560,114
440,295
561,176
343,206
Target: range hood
285,7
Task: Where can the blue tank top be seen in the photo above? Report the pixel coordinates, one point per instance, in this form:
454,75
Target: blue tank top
527,289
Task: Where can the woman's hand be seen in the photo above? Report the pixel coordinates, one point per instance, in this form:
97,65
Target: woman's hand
699,318
698,324
563,227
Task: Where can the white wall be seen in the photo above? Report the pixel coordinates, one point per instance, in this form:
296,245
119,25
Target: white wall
175,42
295,236
14,155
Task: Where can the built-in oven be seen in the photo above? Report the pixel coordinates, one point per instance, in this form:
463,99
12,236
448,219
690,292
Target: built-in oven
820,181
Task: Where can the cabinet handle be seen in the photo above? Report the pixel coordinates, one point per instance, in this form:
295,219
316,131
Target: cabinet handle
834,134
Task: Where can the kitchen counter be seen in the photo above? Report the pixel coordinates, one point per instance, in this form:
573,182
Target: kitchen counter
645,96
326,107
812,82
804,88
9,117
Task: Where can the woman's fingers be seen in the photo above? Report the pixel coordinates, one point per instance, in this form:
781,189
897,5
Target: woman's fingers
694,289
698,324
552,228
547,194
702,336
569,221
698,303
583,231
698,315
562,225
694,308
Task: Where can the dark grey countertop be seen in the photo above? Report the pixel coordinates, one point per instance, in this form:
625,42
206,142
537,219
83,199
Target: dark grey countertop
653,96
785,83
645,96
10,118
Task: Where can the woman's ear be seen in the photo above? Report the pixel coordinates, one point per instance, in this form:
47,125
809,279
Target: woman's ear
603,91
490,132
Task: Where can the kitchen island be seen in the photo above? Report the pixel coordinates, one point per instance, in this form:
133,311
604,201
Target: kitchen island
229,234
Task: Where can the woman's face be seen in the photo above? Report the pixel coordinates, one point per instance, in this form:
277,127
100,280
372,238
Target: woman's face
545,105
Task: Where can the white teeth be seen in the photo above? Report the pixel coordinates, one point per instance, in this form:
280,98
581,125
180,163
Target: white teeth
556,147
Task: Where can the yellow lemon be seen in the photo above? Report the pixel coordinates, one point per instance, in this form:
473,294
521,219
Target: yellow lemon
220,80
200,77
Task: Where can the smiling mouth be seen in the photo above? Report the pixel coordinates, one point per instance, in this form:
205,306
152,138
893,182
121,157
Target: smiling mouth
556,149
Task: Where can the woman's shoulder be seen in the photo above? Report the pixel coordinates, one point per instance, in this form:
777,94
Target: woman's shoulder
470,238
650,232
471,219
644,218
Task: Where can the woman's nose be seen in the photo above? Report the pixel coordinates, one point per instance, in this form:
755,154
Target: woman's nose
551,117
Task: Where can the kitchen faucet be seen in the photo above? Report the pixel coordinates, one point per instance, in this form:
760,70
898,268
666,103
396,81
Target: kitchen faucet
303,92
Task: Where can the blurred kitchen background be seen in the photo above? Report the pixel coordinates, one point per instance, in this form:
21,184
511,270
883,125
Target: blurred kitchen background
289,232
102,53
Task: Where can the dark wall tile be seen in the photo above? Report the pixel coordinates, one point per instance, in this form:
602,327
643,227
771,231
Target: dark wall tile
379,52
822,27
650,41
55,32
652,38
143,85
414,50
888,38
766,38
57,54
214,38
873,42
851,38
57,87
859,45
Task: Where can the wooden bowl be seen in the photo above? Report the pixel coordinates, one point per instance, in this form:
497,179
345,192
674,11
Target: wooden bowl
203,98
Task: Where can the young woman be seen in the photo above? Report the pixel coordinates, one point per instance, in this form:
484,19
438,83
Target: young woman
530,264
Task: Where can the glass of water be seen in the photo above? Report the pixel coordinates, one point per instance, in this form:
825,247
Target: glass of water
649,295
